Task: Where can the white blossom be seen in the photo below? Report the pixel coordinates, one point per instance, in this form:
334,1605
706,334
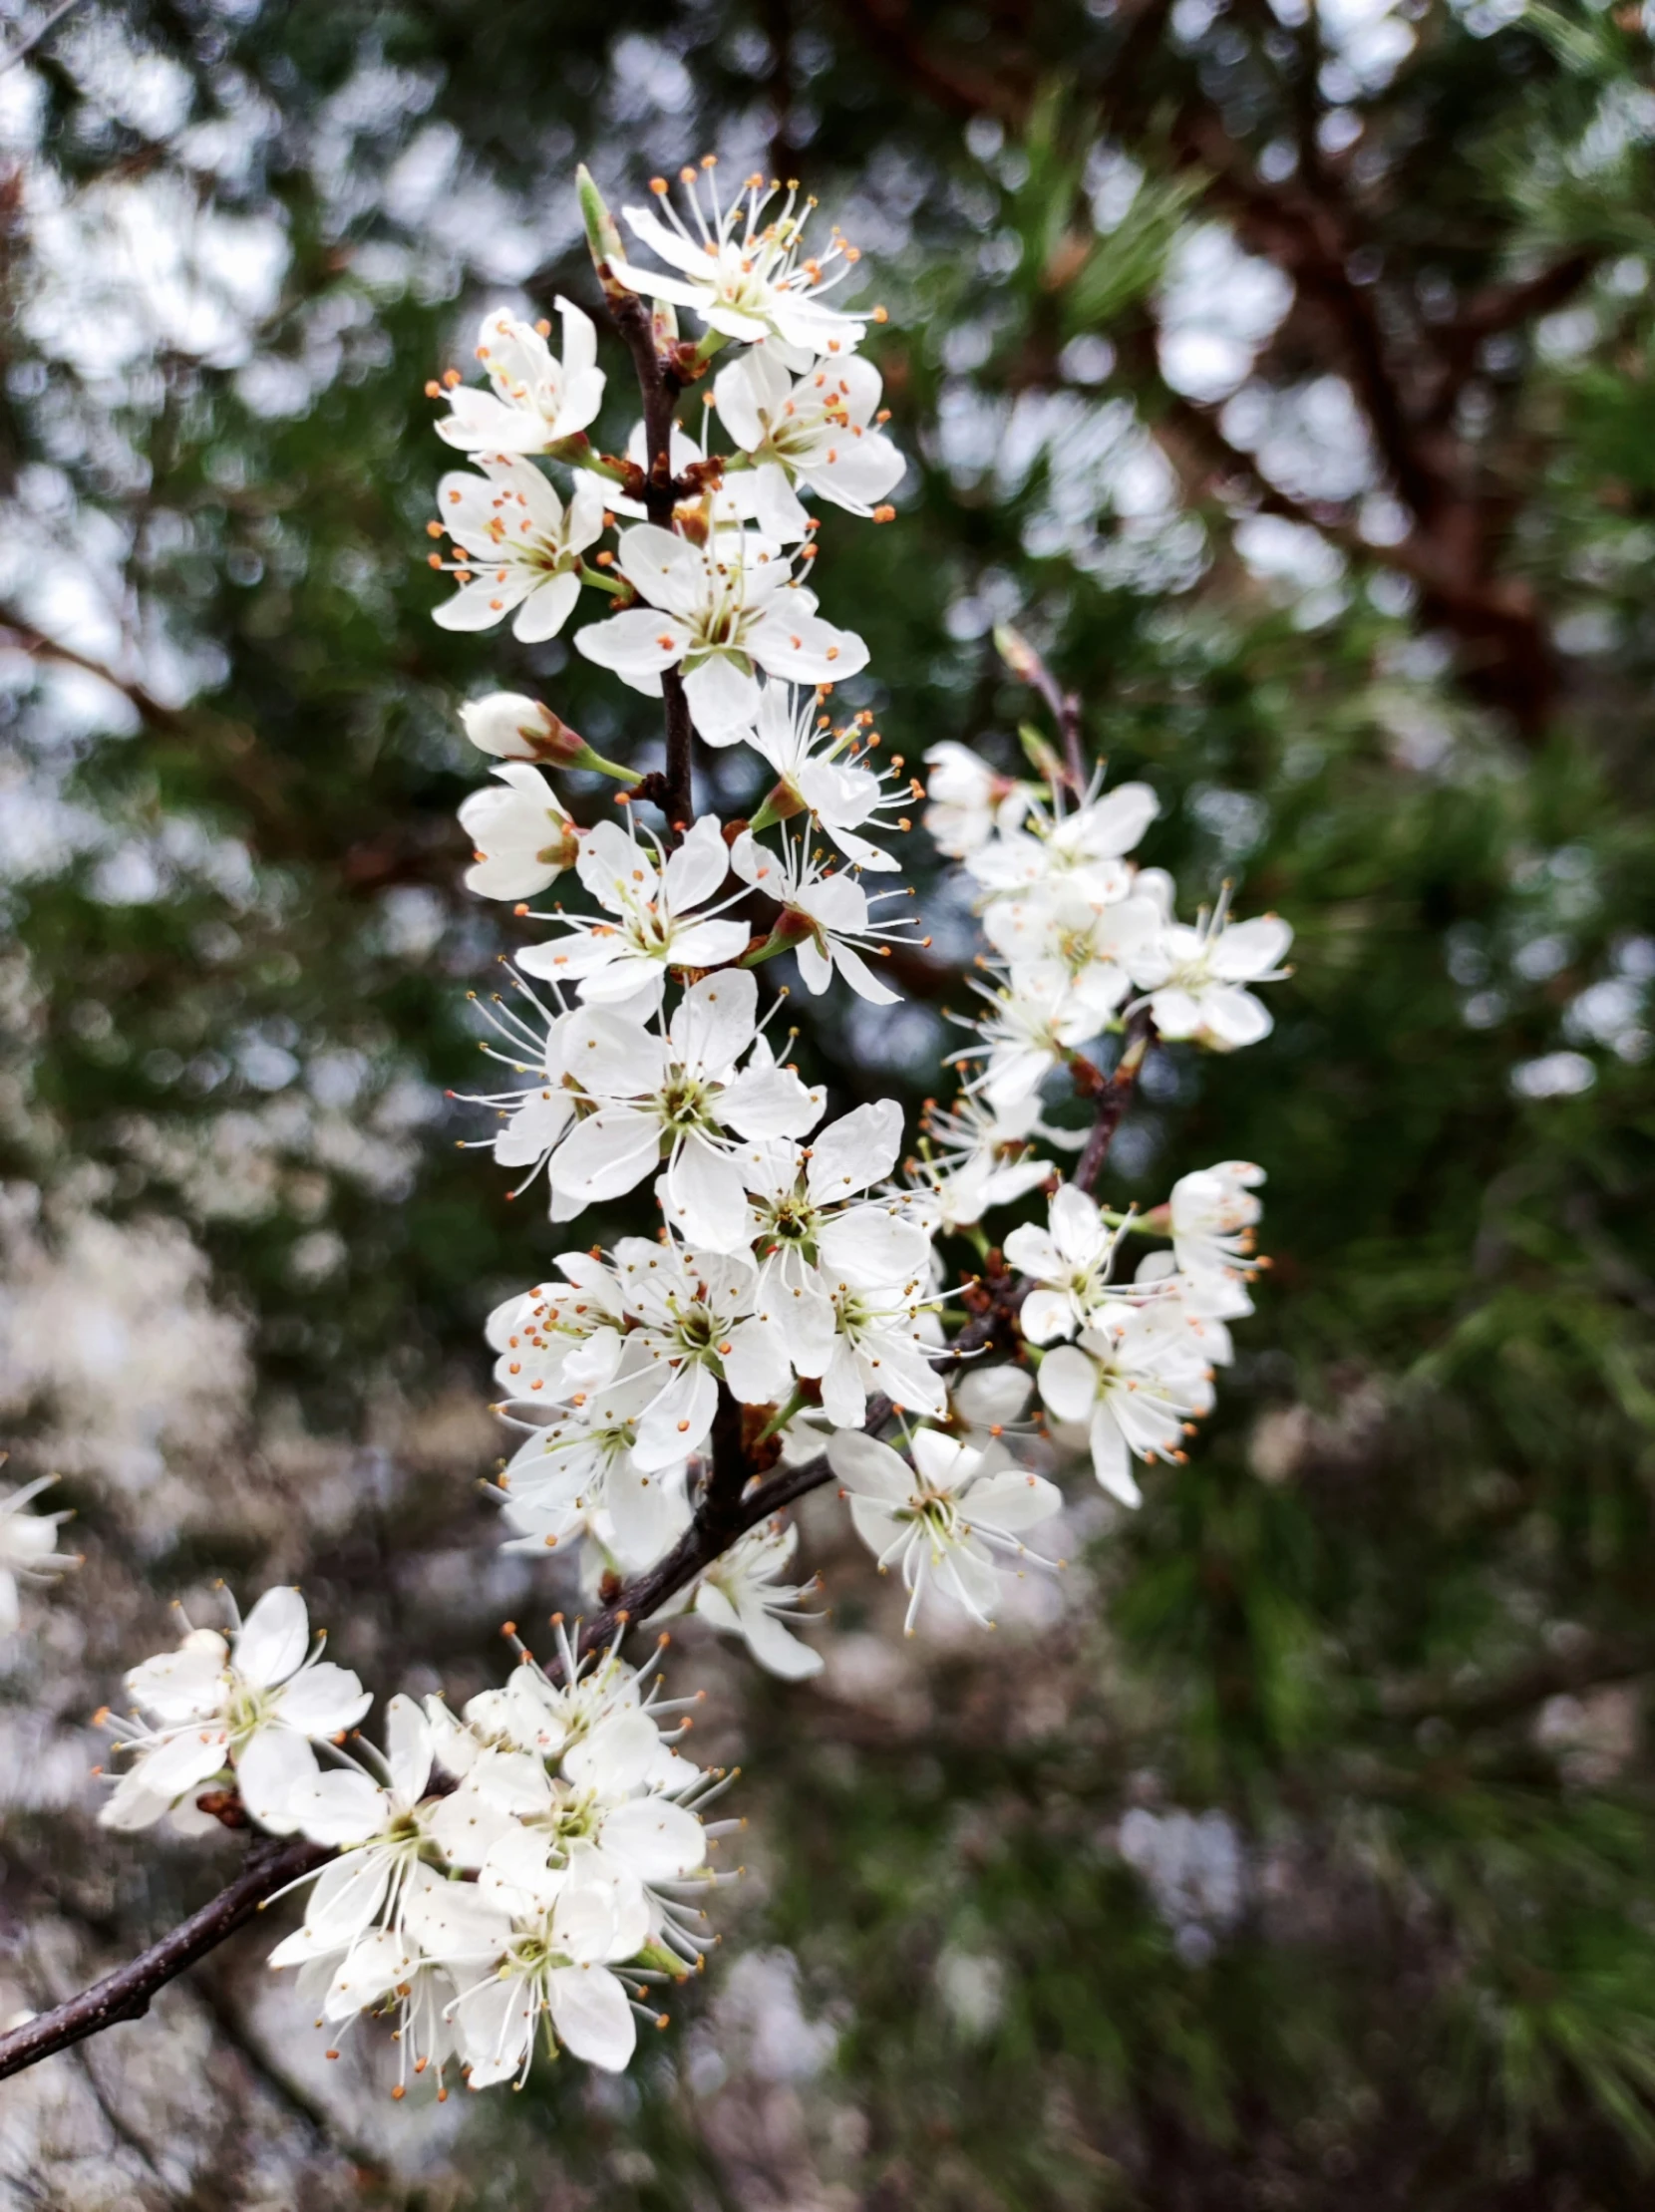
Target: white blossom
1084,846
28,1547
578,1476
603,1803
1136,1376
535,1114
382,1971
821,771
817,1232
511,724
1214,1214
745,1594
560,1338
659,923
543,1964
682,1097
1195,978
1068,1263
978,1156
984,1403
817,431
942,1520
570,1814
744,268
1031,1027
1057,937
969,802
880,1347
534,1713
537,401
720,612
516,548
824,918
1212,1302
383,1835
252,1703
523,835
697,1319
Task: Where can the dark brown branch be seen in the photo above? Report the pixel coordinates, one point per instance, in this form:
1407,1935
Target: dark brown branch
228,742
728,1468
1498,308
678,795
1115,1097
1504,306
1408,382
659,383
1505,653
1311,236
271,1864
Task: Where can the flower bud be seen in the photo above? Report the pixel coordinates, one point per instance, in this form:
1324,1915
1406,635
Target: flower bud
1042,758
603,240
509,724
515,727
1017,653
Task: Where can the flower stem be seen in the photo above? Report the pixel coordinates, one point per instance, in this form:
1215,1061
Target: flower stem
616,587
797,1401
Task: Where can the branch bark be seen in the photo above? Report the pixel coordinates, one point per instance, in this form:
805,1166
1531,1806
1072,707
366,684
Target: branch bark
1115,1097
271,1864
660,386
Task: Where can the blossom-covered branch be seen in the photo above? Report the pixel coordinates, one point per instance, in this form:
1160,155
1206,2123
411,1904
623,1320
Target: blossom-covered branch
814,1297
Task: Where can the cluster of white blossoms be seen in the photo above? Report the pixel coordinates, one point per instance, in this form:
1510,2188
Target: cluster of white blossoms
792,1275
522,1871
801,1302
1085,943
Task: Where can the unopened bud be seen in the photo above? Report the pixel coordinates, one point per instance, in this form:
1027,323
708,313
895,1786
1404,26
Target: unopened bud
1017,653
511,726
514,727
603,240
1042,758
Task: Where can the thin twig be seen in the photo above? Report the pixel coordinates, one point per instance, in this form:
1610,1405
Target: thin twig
1115,1097
21,51
1064,706
271,1864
